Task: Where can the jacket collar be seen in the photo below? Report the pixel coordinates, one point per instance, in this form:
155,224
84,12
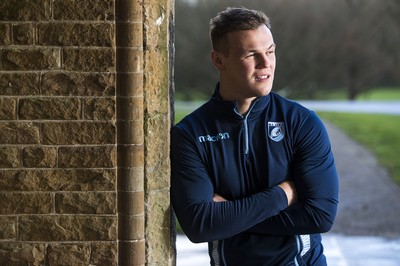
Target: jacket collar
229,107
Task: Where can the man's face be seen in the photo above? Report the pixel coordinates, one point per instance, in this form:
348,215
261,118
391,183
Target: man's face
247,70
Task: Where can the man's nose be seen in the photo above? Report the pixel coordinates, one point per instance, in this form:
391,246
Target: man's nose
263,61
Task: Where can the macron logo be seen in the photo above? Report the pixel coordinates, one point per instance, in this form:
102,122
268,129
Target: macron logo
218,137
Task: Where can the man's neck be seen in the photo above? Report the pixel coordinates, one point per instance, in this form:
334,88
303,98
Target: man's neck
242,104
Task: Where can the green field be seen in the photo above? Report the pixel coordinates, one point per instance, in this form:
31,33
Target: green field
381,94
179,114
377,94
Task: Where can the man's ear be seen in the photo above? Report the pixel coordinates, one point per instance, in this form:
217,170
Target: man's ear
217,60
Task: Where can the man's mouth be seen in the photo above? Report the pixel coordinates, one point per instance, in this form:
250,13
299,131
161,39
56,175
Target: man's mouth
262,77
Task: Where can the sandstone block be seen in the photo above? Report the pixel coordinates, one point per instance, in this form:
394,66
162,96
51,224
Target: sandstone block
86,203
131,155
9,157
23,34
76,34
130,124
158,227
157,81
67,228
104,253
8,228
92,10
18,253
157,210
130,108
19,84
130,84
131,132
157,153
89,59
58,180
68,254
159,252
129,34
19,133
25,203
5,38
99,109
156,24
31,58
130,179
87,157
7,109
131,227
129,10
130,252
78,133
78,84
129,60
131,203
25,10
49,109
39,157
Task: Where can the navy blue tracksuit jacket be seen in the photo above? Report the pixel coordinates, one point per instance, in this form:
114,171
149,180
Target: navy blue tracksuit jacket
243,158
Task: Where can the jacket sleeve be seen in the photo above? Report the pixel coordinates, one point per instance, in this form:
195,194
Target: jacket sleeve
316,181
192,192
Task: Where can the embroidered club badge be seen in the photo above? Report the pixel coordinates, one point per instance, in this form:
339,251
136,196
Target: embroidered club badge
276,131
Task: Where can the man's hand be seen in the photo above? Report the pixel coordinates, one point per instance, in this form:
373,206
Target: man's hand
290,191
218,198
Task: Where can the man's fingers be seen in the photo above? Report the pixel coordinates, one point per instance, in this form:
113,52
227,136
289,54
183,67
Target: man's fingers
218,198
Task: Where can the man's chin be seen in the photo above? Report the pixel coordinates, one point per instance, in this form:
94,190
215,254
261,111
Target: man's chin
265,91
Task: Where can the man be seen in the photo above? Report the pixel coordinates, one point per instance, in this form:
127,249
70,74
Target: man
252,173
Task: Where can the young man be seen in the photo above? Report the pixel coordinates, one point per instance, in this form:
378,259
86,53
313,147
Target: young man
252,173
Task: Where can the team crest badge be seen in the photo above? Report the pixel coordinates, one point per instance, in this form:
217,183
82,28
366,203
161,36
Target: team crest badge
276,131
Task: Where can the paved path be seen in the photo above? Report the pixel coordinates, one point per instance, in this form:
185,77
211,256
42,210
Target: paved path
367,228
369,202
373,107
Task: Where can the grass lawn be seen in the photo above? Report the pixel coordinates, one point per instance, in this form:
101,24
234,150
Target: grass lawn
381,94
379,133
179,114
376,94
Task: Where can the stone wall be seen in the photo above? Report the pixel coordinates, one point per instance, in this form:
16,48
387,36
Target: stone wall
84,132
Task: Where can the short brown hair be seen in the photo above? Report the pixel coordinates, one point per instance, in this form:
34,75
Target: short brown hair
234,19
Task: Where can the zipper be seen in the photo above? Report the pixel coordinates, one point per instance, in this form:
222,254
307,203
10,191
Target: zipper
296,263
217,253
246,127
246,134
303,246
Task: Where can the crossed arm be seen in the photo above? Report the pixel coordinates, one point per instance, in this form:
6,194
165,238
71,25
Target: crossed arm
287,186
305,205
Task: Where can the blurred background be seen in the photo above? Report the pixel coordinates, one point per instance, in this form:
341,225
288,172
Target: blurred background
343,49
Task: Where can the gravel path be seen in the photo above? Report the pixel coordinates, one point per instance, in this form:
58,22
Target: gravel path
369,202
